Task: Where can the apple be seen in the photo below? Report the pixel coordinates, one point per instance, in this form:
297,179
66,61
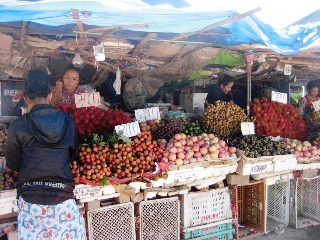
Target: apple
200,142
197,154
183,136
180,149
172,156
203,150
187,148
165,153
306,154
232,149
215,139
221,155
222,143
195,147
183,141
214,155
186,161
192,160
211,136
206,156
212,148
179,162
194,138
177,136
173,149
181,155
165,159
200,159
177,144
189,142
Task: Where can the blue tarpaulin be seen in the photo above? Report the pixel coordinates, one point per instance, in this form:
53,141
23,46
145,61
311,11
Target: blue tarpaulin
171,17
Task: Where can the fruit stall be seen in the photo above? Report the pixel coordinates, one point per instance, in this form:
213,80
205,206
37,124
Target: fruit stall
223,174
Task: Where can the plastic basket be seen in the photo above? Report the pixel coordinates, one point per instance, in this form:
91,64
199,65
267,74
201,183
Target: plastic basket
159,219
114,222
306,203
251,205
223,235
199,208
218,228
278,196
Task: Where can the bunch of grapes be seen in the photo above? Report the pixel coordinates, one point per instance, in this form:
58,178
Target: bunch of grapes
168,130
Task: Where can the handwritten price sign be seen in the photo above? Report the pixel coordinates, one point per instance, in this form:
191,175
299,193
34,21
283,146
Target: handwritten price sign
279,97
87,99
247,128
143,115
129,129
316,105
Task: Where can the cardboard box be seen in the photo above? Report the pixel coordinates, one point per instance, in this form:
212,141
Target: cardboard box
236,179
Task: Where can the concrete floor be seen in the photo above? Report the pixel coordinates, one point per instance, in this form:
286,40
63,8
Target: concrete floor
307,233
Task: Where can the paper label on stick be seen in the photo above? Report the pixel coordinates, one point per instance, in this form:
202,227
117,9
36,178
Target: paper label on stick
247,128
128,129
87,99
316,105
143,115
279,97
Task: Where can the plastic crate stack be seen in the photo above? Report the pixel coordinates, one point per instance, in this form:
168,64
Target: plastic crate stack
206,215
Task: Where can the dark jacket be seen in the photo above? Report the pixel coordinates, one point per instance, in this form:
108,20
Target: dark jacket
216,94
40,146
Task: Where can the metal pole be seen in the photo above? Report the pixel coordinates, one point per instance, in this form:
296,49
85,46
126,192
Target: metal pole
249,62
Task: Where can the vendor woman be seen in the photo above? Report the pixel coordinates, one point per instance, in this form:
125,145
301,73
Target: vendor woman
67,87
222,90
305,103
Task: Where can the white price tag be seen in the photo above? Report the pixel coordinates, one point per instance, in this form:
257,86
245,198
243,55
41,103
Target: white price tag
247,128
287,69
129,129
140,115
316,105
279,97
143,115
87,99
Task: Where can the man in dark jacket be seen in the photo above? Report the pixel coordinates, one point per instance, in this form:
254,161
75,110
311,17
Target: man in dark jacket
40,146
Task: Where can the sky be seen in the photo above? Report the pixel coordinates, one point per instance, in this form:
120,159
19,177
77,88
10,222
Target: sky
277,13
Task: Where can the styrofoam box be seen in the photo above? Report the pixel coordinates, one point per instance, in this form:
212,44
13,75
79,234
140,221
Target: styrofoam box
220,170
305,166
284,162
211,228
85,191
184,175
264,165
13,235
199,208
278,179
8,201
270,174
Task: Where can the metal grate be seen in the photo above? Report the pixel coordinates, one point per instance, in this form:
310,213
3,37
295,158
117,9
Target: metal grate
160,219
278,202
112,223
